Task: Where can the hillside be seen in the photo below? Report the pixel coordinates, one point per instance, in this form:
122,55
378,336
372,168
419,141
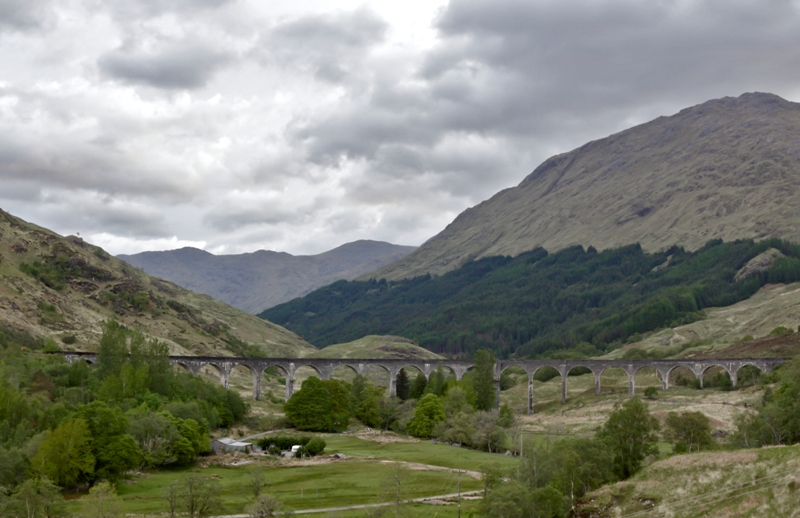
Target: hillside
759,482
720,332
539,303
373,346
726,169
64,288
259,280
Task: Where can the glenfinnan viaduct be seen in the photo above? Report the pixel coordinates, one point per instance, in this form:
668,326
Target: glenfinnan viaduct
325,367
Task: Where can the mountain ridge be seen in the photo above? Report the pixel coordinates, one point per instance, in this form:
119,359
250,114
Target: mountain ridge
63,289
259,280
726,168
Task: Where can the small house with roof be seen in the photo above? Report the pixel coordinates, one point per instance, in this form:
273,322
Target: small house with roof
228,445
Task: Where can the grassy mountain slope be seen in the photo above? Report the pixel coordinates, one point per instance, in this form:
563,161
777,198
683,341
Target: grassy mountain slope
64,288
374,346
724,169
720,332
259,280
759,482
537,303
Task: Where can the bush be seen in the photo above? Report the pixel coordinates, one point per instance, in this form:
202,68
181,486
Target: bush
651,393
315,446
284,442
780,330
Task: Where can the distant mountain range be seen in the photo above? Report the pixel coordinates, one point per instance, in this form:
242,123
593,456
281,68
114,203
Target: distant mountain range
260,280
728,168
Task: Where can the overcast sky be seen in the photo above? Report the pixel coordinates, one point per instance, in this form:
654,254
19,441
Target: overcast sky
238,125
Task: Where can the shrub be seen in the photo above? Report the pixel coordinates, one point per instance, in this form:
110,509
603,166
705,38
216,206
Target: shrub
315,446
284,442
651,392
780,330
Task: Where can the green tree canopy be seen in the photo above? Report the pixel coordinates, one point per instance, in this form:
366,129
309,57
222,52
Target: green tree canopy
630,432
65,454
114,450
429,411
311,408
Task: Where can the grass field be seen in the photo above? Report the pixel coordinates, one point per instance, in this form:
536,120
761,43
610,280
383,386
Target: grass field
468,508
336,483
341,483
424,452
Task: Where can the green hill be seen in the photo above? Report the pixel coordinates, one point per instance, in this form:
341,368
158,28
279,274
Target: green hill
374,346
62,288
539,303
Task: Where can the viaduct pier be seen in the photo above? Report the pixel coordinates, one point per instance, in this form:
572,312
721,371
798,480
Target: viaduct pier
324,368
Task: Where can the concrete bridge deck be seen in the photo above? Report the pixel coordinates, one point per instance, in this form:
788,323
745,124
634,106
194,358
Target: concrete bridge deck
325,368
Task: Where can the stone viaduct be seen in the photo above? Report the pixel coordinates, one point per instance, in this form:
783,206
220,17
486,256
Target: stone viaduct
325,368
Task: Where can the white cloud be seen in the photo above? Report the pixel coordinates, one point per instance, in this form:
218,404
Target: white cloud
235,125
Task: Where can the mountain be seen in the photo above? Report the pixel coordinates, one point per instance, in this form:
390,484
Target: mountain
728,168
259,280
63,289
540,303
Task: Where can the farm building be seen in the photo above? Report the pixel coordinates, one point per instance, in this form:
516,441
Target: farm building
227,445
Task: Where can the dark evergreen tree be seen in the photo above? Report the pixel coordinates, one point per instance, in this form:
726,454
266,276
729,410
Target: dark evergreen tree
483,380
402,385
418,388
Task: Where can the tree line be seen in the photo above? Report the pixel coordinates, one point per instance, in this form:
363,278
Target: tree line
64,426
539,304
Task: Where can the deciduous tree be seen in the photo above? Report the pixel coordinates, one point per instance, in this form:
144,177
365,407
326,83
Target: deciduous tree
102,502
630,432
429,411
689,431
310,408
65,454
265,506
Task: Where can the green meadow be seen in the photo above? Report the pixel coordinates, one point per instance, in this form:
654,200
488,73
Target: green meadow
343,482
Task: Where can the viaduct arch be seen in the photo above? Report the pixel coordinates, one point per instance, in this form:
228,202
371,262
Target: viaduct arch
325,367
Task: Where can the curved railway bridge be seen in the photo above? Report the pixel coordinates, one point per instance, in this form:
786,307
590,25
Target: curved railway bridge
325,367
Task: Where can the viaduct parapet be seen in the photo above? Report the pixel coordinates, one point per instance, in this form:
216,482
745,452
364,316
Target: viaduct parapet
325,368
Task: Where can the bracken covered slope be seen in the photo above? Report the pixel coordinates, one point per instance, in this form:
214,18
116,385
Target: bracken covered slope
256,281
728,168
62,288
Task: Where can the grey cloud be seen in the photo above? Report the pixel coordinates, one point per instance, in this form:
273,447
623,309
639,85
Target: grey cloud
24,15
85,167
587,55
541,77
329,46
231,216
175,65
132,9
87,213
